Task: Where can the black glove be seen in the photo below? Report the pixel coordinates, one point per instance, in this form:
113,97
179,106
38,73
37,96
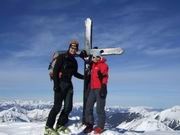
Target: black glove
100,75
103,91
83,54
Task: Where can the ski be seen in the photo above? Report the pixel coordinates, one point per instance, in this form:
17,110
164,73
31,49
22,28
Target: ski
87,66
108,51
105,51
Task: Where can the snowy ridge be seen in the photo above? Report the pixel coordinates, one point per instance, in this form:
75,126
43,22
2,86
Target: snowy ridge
26,104
129,119
14,114
170,117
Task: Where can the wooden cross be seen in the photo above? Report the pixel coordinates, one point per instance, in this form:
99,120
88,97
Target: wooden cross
90,51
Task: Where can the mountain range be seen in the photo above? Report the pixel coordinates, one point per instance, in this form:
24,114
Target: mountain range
127,118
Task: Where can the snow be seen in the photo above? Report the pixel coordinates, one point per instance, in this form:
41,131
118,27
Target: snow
171,114
38,114
145,124
19,128
29,118
13,114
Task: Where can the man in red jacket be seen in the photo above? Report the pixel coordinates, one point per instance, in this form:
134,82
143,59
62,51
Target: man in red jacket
98,92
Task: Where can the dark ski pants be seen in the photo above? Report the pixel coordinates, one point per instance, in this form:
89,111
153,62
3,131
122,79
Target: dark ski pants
100,108
66,96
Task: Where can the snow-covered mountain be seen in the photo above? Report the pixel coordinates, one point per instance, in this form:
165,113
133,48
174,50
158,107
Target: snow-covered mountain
170,117
14,114
24,111
131,119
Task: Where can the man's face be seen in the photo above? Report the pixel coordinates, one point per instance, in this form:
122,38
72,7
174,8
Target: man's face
72,50
96,59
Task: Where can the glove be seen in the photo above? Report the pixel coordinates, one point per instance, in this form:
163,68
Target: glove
83,54
100,75
103,91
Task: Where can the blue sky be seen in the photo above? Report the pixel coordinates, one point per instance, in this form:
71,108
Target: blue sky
147,74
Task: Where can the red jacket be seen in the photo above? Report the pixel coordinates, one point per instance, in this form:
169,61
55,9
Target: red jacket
101,66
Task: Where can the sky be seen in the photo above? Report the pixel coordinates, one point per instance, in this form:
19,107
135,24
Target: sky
147,74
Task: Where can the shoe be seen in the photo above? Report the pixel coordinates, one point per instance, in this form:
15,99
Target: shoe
50,131
63,130
88,129
98,130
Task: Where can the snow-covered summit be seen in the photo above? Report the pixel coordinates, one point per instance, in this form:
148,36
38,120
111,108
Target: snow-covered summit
170,117
170,114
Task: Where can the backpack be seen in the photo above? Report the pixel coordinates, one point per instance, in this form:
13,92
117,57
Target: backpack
52,64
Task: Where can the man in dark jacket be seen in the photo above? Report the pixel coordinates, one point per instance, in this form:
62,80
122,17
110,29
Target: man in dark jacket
98,92
65,67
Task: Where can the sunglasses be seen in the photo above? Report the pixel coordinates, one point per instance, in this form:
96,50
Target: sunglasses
74,48
95,57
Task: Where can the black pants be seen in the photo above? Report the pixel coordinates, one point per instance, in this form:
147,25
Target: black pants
66,95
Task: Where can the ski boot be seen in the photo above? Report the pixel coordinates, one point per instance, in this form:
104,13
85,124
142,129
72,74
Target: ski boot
98,130
88,128
62,130
50,131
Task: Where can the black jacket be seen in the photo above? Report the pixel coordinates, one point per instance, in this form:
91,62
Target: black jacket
67,65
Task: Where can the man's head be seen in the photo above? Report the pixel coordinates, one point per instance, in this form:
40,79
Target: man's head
73,47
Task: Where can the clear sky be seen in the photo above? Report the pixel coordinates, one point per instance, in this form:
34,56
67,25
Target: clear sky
147,74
